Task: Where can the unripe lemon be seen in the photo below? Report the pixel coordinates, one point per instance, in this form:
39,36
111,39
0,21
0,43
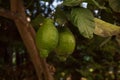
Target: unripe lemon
47,37
66,43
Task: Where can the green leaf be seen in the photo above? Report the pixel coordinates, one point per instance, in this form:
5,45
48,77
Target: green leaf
71,2
105,29
37,21
115,5
98,5
60,16
84,20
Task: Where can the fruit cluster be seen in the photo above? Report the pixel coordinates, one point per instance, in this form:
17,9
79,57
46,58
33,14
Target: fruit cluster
49,38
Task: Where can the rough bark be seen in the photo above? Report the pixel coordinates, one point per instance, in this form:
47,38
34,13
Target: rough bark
16,7
27,33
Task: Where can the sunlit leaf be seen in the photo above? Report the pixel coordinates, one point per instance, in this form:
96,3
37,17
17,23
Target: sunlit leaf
84,21
115,5
105,29
71,2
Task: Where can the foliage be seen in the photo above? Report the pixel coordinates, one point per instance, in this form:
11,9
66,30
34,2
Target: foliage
105,29
71,2
115,4
83,19
95,57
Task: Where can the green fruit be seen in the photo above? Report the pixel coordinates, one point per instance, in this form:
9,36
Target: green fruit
47,38
66,44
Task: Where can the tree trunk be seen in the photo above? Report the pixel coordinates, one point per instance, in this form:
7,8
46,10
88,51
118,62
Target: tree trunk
28,35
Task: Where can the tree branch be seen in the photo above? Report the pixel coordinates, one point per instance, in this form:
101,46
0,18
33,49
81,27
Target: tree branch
31,48
7,14
28,35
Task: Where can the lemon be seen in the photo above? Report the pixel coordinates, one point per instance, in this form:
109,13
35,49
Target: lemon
66,43
46,38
